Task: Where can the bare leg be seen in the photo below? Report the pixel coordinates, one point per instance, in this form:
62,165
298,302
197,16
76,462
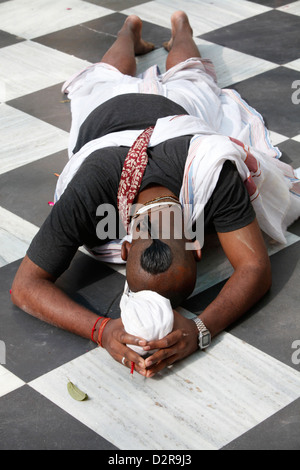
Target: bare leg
128,44
181,45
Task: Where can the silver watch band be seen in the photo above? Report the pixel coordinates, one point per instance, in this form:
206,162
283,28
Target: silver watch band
204,337
200,325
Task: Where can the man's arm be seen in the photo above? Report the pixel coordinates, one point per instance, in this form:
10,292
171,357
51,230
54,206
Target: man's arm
252,278
34,291
246,251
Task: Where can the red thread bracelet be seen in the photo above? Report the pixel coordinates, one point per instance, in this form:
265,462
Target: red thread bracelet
100,332
94,329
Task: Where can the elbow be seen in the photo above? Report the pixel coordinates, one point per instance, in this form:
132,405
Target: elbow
257,277
17,294
21,296
263,275
21,289
27,284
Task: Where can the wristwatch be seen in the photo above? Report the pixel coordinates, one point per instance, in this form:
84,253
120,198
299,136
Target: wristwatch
204,338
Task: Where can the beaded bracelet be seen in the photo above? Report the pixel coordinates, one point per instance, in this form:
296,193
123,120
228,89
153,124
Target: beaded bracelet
94,329
100,332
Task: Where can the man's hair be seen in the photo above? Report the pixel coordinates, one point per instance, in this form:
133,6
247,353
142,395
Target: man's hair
160,258
157,258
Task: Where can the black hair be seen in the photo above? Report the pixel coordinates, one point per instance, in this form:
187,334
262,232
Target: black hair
157,258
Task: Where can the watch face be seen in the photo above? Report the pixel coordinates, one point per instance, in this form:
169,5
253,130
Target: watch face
205,340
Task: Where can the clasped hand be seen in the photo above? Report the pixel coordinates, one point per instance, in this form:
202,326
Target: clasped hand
180,343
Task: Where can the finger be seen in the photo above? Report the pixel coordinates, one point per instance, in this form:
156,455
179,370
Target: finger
129,356
127,338
166,342
122,336
125,362
161,355
157,367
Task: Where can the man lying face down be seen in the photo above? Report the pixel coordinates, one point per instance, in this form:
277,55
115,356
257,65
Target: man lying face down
189,157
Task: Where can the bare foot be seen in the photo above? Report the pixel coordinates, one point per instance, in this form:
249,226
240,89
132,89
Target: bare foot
134,24
180,24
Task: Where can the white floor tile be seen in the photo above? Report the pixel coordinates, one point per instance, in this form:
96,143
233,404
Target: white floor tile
156,57
295,65
24,139
204,16
203,402
276,138
231,66
8,381
15,236
293,8
32,18
27,67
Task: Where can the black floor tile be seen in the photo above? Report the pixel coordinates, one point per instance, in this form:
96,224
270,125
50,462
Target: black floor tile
111,24
49,105
93,284
34,185
7,39
276,36
295,228
117,5
270,94
30,421
90,41
290,152
273,3
80,41
279,432
32,346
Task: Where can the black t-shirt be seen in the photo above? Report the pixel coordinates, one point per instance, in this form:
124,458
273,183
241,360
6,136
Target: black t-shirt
73,220
125,112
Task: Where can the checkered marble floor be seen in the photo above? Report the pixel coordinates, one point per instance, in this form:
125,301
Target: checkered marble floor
244,392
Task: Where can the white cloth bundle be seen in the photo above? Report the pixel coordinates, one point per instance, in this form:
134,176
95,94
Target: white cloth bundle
147,315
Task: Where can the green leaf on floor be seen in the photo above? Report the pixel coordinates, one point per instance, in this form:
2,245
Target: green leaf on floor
76,393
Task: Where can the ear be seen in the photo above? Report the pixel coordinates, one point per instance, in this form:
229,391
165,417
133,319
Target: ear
125,249
197,250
